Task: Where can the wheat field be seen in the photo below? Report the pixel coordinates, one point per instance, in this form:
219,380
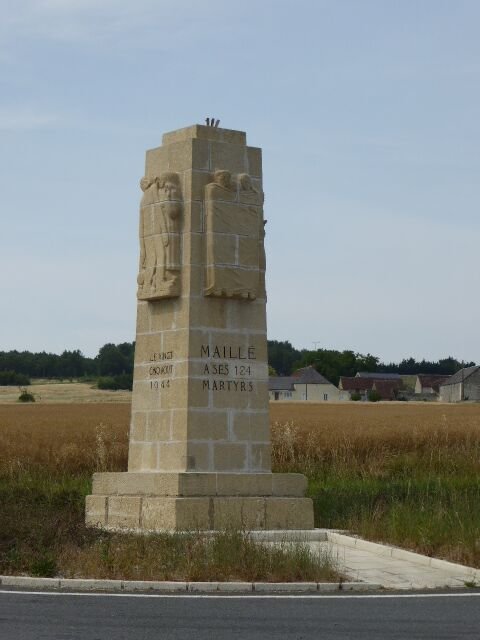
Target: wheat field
380,418
92,436
405,473
53,392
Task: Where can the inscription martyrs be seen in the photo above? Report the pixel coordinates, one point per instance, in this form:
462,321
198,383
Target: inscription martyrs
227,376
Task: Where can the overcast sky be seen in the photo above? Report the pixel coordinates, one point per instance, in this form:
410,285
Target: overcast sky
368,116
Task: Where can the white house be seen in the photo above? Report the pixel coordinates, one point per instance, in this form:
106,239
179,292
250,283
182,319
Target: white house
305,384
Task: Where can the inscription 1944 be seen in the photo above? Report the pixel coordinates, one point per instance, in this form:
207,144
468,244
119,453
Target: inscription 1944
160,367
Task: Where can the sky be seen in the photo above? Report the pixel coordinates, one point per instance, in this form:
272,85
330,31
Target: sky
368,115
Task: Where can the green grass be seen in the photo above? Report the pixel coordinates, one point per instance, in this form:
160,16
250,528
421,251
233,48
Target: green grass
420,491
415,484
435,516
42,533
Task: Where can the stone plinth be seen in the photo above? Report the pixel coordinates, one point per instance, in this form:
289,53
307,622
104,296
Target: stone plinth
159,501
199,451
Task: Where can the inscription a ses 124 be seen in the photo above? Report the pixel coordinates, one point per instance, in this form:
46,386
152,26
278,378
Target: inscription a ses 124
239,372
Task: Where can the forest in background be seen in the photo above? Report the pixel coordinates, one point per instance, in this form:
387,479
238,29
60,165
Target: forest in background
116,360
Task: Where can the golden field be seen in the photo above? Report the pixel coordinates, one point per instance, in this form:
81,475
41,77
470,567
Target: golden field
405,473
399,426
94,435
58,391
64,417
380,417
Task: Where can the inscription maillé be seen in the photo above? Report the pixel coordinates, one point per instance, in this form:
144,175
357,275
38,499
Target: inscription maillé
227,369
226,352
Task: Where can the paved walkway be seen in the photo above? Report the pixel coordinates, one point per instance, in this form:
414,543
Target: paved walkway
391,573
392,568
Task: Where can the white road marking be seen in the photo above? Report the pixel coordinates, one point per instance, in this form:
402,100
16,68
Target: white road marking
243,597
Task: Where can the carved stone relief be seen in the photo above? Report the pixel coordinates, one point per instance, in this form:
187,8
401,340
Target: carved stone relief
160,221
234,237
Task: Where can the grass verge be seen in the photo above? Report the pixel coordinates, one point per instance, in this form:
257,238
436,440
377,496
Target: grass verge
42,533
398,473
419,490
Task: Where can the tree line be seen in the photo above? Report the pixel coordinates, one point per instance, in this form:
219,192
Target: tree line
111,360
283,359
116,360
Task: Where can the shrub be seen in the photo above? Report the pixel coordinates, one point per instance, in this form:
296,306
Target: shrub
355,396
374,396
44,566
114,383
25,396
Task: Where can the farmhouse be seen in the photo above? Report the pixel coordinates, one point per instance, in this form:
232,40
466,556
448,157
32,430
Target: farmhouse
463,385
359,385
305,384
387,389
429,383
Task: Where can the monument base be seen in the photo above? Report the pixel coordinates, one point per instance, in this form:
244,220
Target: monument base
156,501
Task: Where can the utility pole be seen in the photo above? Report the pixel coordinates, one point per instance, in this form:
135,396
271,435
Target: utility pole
462,396
315,342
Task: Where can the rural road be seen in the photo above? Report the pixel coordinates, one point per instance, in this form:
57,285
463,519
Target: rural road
38,616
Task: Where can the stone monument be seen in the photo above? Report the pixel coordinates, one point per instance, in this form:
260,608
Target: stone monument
199,449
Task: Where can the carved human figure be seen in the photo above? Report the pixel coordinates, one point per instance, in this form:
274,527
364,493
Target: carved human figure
247,192
222,187
249,195
160,217
233,234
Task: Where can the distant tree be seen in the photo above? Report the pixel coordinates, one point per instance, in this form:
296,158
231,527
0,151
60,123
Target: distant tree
71,365
281,356
410,366
114,359
333,364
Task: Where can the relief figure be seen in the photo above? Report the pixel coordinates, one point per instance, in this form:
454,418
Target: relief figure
247,192
160,219
233,225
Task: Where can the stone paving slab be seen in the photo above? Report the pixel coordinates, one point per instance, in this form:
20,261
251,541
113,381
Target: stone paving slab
371,562
391,573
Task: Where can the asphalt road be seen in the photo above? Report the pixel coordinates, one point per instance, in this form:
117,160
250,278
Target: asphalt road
38,616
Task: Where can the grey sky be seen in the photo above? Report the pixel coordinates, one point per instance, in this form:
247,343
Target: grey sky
368,114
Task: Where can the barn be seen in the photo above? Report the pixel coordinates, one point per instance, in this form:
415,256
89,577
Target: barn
463,385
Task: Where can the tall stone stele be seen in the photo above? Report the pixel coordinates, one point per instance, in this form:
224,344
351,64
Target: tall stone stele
199,451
